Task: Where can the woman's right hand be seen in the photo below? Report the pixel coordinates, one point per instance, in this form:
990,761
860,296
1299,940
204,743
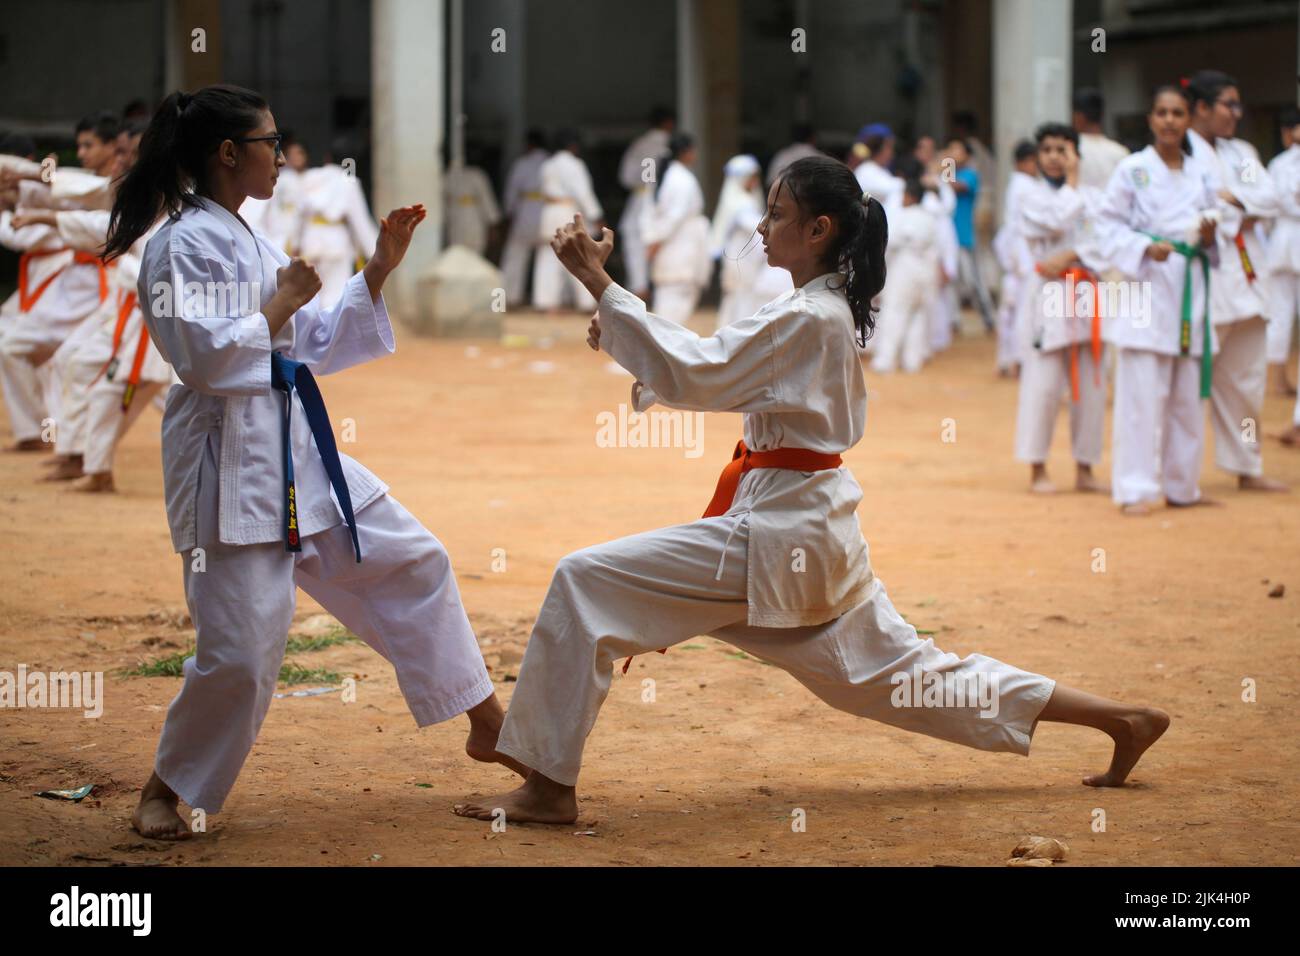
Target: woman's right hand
298,282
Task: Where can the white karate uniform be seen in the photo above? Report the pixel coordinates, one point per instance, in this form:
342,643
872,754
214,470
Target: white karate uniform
1098,157
911,267
335,227
1055,318
523,201
638,162
1284,255
224,481
1239,306
793,370
674,220
944,313
470,206
1159,424
566,186
787,155
87,381
884,186
77,286
1013,259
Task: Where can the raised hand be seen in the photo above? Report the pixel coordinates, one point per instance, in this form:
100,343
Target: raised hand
298,282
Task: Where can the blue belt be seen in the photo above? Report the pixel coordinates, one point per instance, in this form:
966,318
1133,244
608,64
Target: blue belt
286,375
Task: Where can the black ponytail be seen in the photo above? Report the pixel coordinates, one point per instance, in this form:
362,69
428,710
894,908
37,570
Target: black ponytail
822,186
171,165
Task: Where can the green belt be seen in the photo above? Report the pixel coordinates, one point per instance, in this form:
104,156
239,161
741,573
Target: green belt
1190,252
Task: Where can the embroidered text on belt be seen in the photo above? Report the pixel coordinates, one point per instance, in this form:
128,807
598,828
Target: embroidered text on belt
288,375
743,460
1190,252
1072,277
28,297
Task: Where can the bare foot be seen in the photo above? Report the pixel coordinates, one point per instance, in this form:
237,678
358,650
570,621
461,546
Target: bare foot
1086,481
1133,734
67,468
156,816
30,444
95,482
485,722
539,800
1137,508
1290,438
1259,483
1039,483
1201,502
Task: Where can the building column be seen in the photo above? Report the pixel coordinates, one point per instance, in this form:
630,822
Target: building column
406,63
185,68
1031,71
708,84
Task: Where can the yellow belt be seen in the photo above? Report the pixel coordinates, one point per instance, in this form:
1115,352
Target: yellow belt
535,197
466,200
319,220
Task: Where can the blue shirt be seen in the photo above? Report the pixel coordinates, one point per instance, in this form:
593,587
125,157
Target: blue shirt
963,217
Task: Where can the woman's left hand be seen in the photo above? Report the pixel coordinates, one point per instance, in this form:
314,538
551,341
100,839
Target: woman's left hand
395,231
578,252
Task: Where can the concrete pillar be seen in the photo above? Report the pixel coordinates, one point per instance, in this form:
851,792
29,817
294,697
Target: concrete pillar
406,65
708,84
1031,71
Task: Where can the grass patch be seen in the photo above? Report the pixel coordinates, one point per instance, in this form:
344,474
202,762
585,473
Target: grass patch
334,637
169,666
290,672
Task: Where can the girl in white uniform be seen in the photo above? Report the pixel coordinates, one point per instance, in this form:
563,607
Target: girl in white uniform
1239,282
1157,227
793,370
676,233
1059,322
258,499
1009,250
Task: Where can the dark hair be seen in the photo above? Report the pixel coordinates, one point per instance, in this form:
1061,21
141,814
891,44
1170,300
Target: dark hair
535,138
17,144
104,125
1025,149
874,142
1056,131
172,162
964,119
1178,89
913,188
1090,103
660,115
137,108
908,167
1290,116
678,143
965,143
802,132
567,137
1206,85
821,186
135,126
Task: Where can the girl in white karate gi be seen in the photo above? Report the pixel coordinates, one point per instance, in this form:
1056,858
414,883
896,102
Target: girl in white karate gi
226,308
1061,338
676,233
1239,280
1156,223
1284,252
793,370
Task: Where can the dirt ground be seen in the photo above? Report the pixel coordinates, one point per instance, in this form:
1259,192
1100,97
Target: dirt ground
493,447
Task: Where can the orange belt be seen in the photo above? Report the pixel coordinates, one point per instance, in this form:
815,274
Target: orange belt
124,311
28,298
1072,277
1246,264
743,460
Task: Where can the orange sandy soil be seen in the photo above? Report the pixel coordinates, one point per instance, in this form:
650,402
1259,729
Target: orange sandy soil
491,451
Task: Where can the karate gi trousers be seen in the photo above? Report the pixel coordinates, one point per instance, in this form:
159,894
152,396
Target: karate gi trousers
1158,431
657,589
402,600
1043,377
1283,304
1237,395
904,325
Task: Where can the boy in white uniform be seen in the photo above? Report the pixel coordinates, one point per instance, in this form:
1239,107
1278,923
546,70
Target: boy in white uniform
636,175
523,202
676,233
1284,253
471,208
1009,248
908,300
1239,287
1059,323
566,188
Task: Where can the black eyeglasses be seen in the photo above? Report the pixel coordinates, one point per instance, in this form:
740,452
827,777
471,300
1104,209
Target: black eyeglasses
276,138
